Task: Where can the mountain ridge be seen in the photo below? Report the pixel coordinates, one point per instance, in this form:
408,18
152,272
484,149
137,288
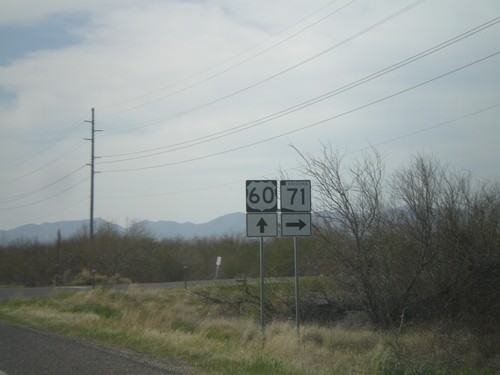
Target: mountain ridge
229,224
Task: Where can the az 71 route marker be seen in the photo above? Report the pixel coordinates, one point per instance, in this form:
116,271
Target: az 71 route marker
295,197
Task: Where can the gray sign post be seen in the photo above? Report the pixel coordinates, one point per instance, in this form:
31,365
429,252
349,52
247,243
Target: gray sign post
262,221
295,199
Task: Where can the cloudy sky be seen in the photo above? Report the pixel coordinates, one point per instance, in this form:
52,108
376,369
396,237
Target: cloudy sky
195,97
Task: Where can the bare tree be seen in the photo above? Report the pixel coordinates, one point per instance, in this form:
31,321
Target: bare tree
417,246
349,200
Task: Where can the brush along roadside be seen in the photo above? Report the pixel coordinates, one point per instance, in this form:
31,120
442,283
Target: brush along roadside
180,324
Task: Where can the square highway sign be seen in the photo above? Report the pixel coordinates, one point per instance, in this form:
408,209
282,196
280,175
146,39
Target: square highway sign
296,224
295,195
262,224
261,195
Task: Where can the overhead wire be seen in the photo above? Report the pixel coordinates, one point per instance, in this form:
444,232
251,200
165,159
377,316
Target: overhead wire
224,61
377,144
66,133
46,147
52,161
63,135
53,212
294,109
428,128
273,76
169,193
310,125
69,131
251,124
46,198
27,194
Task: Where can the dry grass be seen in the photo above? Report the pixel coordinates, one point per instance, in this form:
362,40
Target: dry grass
175,324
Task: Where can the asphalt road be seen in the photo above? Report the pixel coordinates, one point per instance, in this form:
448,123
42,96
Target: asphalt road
25,351
13,293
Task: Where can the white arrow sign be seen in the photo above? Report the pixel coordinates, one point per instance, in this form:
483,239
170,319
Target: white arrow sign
295,224
262,224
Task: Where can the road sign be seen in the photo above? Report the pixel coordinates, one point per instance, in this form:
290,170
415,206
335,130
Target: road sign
295,195
296,224
262,224
262,195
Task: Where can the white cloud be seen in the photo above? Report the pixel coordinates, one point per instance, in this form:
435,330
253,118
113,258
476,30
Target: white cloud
151,52
23,12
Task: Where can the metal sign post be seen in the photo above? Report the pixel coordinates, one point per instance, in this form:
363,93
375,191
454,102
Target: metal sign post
262,315
295,200
297,297
262,221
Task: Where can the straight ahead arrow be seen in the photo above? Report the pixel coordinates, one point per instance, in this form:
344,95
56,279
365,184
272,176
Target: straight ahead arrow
261,224
300,224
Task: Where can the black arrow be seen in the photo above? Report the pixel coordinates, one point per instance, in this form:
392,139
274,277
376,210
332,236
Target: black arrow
262,224
300,224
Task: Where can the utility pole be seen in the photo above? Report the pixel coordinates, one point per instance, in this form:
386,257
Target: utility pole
58,250
92,173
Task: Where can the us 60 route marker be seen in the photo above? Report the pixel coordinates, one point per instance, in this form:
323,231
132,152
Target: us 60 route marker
262,195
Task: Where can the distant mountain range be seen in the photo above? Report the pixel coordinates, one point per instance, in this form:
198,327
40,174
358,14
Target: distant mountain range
231,224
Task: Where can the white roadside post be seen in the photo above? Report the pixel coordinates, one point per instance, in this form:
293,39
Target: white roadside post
218,262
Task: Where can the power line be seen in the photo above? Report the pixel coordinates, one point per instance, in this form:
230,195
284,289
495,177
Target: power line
29,193
172,193
432,127
391,140
310,125
69,150
43,149
47,198
227,60
330,94
309,59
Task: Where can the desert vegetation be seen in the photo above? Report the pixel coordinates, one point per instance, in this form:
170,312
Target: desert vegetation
137,257
407,261
182,325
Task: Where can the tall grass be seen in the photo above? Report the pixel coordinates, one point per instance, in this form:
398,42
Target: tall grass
177,324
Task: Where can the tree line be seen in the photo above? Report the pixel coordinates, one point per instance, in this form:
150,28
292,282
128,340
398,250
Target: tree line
136,256
419,244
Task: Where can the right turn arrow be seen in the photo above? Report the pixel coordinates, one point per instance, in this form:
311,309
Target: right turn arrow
300,224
